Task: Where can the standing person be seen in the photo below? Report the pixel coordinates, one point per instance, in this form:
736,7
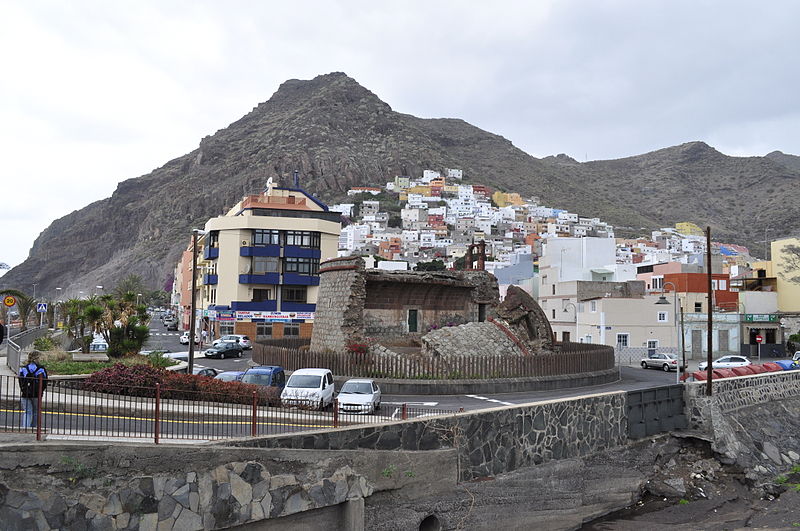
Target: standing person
29,376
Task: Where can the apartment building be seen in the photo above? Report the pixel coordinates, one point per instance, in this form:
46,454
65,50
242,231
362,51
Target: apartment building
261,263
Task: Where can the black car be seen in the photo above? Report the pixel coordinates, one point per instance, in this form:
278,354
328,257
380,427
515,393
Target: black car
226,349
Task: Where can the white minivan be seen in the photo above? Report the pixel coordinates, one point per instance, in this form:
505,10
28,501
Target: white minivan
310,388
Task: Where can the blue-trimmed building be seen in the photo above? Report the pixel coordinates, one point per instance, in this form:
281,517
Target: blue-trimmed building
260,263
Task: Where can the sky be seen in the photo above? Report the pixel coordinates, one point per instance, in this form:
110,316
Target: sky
96,92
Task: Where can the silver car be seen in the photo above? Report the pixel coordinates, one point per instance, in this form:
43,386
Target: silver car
359,396
657,360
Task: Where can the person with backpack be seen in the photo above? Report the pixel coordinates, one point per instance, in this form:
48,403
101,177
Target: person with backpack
29,378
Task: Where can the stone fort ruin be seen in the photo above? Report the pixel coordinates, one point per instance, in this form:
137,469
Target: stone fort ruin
433,313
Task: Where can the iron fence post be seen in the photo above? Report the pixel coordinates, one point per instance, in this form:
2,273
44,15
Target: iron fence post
254,423
39,393
158,412
335,412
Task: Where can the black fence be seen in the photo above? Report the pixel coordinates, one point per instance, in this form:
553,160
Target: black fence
655,410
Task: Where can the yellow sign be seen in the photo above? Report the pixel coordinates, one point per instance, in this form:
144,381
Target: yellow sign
9,301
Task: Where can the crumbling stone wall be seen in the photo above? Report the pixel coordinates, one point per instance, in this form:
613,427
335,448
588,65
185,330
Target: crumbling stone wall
339,317
471,339
355,303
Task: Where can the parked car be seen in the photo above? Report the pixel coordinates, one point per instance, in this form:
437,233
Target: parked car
172,326
98,347
184,339
179,356
244,341
726,362
266,375
230,376
205,371
226,349
309,387
657,360
359,396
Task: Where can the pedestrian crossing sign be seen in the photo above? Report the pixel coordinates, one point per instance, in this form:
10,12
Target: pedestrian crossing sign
41,307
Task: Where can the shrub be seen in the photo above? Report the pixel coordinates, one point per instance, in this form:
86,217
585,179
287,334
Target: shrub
44,343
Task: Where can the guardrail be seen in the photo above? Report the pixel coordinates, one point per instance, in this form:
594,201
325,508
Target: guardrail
18,342
573,359
69,410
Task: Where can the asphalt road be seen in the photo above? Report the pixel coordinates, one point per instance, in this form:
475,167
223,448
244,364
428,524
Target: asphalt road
633,378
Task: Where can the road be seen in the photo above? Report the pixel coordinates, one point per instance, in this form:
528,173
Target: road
633,378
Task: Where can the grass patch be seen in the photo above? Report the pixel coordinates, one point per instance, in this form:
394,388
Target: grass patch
683,501
64,365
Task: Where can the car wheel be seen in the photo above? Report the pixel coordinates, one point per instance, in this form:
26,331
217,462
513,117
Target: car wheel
644,365
377,406
665,367
239,354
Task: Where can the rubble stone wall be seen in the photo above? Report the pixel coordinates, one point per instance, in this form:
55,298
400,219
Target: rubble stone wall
472,339
489,442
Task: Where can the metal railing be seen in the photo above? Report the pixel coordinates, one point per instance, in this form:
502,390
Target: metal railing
19,342
69,410
573,359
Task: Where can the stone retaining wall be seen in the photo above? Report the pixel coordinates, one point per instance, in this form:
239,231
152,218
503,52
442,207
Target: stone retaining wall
489,442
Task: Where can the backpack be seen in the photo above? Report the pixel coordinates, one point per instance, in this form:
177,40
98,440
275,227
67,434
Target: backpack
29,380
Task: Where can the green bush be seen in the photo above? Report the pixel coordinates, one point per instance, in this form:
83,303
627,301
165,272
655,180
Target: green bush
44,343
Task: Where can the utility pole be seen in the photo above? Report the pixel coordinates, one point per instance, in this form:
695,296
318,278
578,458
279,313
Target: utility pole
710,338
193,311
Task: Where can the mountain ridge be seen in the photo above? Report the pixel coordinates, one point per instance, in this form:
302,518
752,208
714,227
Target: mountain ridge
338,134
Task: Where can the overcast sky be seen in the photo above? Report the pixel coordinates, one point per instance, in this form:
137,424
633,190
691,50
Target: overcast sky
92,93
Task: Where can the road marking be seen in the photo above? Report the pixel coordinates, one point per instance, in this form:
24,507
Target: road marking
490,400
424,404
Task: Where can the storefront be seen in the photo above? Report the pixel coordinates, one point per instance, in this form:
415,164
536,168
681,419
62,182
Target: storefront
767,326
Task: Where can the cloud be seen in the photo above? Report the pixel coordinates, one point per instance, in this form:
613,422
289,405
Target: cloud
92,92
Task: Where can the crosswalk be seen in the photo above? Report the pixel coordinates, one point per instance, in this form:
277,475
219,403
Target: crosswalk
152,333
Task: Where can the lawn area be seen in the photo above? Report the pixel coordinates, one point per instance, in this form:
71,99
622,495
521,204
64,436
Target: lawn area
61,363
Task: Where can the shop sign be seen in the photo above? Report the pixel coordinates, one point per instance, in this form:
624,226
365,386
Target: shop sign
761,318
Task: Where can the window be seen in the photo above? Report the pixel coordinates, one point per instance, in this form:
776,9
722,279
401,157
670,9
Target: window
265,264
652,344
301,266
291,329
658,282
714,283
261,295
622,340
213,296
565,337
263,330
662,317
554,313
723,285
303,239
225,329
588,339
263,237
593,306
698,307
554,289
294,293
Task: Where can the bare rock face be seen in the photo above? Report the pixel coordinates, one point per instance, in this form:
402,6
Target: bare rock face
526,319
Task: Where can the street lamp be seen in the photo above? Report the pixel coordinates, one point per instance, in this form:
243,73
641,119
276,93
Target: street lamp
663,300
55,309
192,316
575,309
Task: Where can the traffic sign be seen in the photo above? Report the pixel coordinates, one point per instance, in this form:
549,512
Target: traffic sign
9,300
41,307
759,339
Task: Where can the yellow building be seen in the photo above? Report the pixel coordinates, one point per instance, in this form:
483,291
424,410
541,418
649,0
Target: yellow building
261,263
784,270
687,228
422,190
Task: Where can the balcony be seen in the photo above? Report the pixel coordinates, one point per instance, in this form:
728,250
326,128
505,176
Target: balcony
300,280
293,251
210,279
254,306
266,250
268,278
297,307
210,253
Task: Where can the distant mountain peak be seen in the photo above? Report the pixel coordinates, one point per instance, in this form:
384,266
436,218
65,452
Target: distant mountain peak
561,158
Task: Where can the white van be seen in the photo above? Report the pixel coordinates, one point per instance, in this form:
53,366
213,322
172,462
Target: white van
309,387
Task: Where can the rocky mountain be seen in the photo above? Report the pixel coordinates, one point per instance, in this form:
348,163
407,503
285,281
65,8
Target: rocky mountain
338,134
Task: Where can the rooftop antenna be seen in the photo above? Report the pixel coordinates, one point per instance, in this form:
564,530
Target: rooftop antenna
296,179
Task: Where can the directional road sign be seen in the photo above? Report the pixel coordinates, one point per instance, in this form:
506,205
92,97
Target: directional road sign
41,307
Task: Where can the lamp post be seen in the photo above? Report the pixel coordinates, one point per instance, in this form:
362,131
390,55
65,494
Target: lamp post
663,300
55,309
192,316
575,308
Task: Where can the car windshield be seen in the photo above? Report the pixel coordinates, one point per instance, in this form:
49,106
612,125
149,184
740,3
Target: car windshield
256,378
360,388
304,380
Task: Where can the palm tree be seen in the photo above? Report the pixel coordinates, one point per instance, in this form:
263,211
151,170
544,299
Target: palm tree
25,305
